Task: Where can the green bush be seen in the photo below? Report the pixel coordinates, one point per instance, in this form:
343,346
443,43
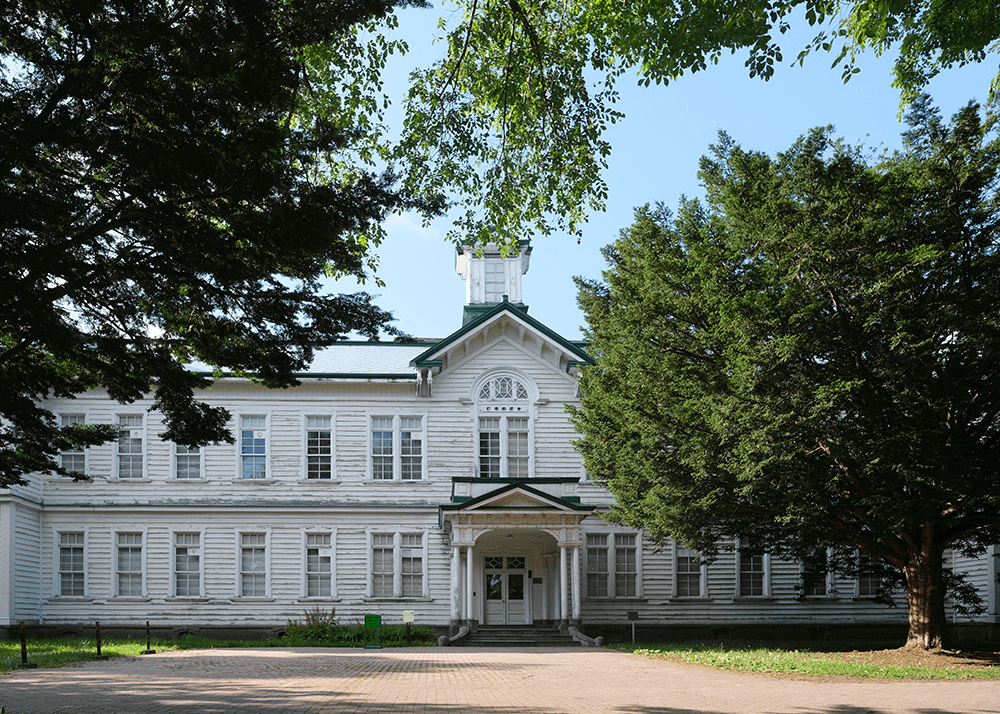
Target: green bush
322,629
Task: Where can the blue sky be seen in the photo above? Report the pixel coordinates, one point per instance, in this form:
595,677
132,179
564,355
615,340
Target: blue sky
655,156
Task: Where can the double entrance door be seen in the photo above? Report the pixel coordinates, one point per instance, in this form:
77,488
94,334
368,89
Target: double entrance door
506,589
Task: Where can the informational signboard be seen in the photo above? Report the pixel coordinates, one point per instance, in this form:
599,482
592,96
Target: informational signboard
407,615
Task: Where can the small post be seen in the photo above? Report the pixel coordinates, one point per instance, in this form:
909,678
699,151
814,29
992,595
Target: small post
148,649
633,615
25,664
97,629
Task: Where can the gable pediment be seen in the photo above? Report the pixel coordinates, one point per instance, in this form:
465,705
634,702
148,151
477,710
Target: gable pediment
504,323
517,497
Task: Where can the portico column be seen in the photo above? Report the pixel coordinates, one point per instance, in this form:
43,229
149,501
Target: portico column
468,584
456,584
576,583
563,586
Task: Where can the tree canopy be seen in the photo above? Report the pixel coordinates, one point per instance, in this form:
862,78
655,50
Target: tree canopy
177,178
808,359
512,121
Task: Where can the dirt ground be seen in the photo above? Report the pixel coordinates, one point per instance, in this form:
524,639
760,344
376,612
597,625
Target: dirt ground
943,659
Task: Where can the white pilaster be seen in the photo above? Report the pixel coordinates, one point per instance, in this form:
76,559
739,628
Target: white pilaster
576,582
456,582
563,585
468,583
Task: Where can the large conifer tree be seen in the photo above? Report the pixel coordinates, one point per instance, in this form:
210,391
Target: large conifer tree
809,362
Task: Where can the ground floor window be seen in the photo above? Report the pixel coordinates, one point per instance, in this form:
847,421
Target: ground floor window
253,565
71,565
319,565
752,574
187,564
612,565
688,580
128,565
397,565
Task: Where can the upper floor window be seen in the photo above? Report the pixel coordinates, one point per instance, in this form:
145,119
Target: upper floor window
187,461
397,448
74,459
504,428
319,448
253,447
131,442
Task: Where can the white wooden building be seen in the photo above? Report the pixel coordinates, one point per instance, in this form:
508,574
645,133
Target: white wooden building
436,476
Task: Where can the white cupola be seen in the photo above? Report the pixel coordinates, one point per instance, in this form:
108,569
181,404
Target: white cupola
490,277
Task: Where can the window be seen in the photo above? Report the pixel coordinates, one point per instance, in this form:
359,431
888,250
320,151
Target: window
687,573
131,437
397,565
412,557
253,565
752,574
319,448
869,582
253,447
382,564
495,283
815,575
597,565
128,565
187,564
187,461
74,459
397,448
71,565
505,444
319,565
612,565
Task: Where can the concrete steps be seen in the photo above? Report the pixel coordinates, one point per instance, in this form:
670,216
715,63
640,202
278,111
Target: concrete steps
519,636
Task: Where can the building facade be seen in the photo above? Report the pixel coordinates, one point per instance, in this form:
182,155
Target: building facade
437,477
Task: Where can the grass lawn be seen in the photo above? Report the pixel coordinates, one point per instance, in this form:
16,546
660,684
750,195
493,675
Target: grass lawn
814,660
65,650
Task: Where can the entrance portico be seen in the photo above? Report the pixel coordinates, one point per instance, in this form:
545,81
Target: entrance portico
515,550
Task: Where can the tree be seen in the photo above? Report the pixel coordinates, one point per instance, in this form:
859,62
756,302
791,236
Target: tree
512,121
177,177
808,361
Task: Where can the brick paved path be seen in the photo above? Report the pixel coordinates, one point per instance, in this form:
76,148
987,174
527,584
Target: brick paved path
453,680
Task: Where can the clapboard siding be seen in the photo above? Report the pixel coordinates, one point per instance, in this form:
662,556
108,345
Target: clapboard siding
351,506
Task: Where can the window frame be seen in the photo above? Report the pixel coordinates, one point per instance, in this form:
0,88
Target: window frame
826,581
84,451
505,410
324,551
143,446
57,571
201,562
742,552
679,551
240,586
306,477
867,579
266,429
397,456
116,572
398,573
175,457
612,574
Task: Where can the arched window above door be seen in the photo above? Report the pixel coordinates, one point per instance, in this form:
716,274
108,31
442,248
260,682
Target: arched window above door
505,433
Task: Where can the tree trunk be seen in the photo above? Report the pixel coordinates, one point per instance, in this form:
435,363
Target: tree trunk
925,594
